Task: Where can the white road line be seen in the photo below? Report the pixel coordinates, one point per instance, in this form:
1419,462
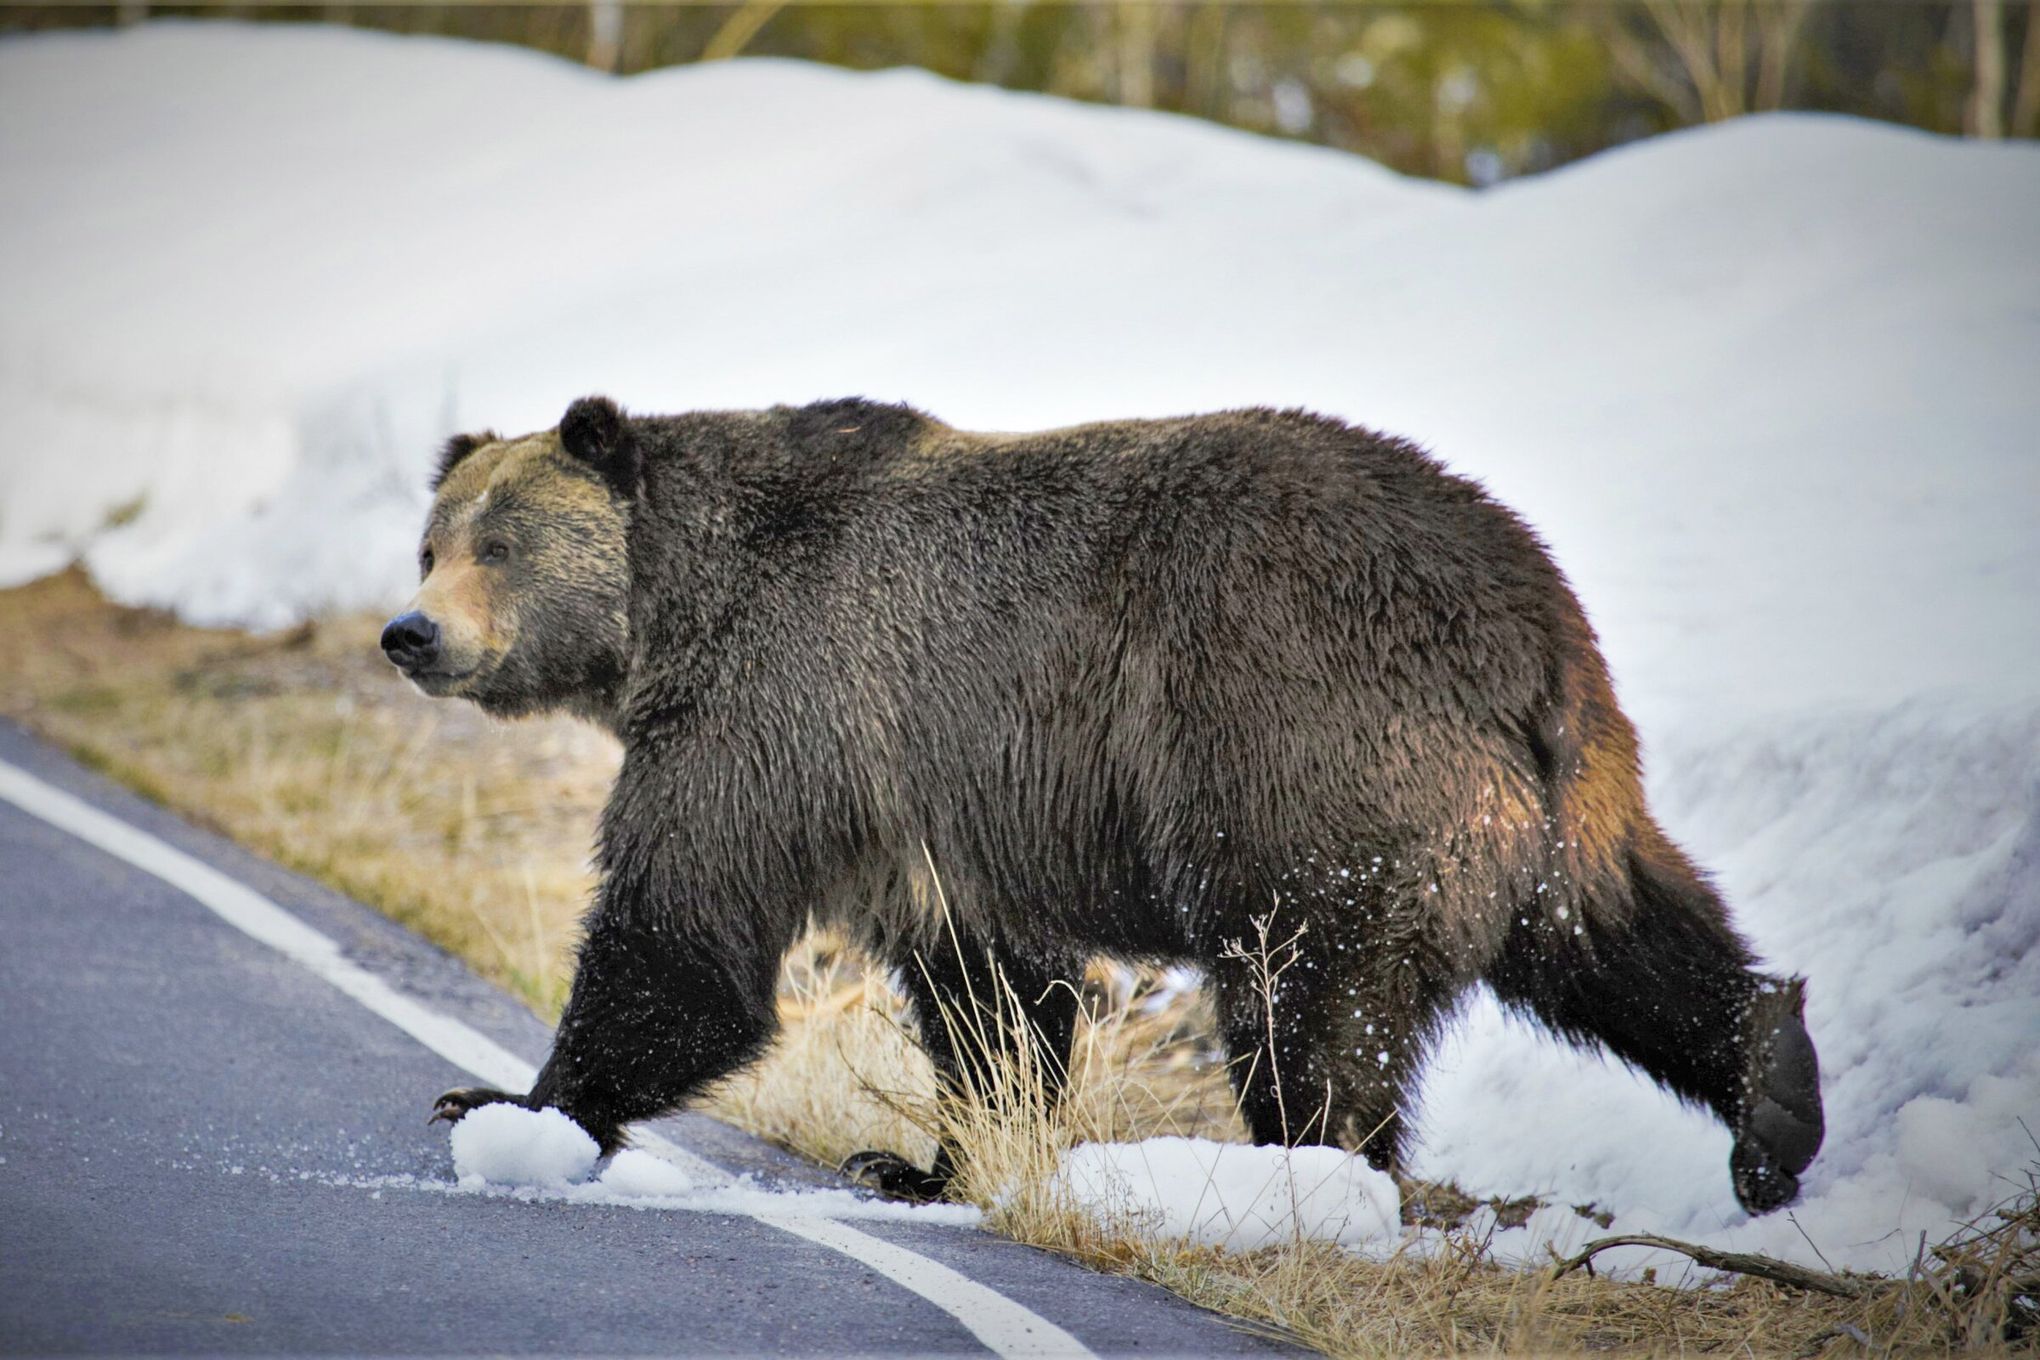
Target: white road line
1003,1326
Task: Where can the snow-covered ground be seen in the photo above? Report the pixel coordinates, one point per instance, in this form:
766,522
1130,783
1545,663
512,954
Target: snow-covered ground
1771,390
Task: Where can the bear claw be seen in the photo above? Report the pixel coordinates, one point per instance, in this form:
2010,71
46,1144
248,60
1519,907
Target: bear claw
455,1104
1761,1185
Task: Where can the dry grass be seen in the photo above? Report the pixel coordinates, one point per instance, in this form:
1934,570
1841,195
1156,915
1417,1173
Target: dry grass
304,747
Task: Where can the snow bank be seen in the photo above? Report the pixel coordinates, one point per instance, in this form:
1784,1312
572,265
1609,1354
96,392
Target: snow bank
542,1154
252,321
1227,1195
1766,388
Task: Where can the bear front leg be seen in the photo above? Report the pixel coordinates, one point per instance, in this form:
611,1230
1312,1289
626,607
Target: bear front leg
656,1013
1326,1038
661,1005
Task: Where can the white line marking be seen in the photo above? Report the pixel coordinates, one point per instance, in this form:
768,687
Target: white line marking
1003,1326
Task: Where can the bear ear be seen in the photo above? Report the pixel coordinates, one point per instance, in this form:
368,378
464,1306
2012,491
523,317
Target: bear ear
596,431
456,449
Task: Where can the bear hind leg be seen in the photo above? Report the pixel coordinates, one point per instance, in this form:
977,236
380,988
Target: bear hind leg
1326,1045
968,1000
1669,987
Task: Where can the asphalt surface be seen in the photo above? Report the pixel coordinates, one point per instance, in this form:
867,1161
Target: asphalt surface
204,1147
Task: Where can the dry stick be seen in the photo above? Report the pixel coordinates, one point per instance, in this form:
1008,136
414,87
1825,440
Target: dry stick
1742,1263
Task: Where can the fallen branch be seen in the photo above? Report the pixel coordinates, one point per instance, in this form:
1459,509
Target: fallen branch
1742,1263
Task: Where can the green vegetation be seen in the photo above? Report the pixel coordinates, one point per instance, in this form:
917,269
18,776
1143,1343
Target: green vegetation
1469,90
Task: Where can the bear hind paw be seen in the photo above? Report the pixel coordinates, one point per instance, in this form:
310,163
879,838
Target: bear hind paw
894,1177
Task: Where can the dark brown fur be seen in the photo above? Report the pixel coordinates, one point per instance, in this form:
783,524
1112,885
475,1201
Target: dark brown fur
1128,687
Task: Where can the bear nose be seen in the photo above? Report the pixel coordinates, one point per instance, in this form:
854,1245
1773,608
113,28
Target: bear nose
411,640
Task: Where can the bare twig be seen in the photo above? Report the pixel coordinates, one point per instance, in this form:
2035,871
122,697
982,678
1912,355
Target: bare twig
1741,1263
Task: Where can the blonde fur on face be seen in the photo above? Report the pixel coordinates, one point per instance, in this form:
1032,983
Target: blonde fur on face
521,561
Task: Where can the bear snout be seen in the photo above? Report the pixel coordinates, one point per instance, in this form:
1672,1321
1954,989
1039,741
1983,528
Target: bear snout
411,641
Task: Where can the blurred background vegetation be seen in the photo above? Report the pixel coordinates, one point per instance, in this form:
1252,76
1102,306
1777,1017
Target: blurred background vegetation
1468,90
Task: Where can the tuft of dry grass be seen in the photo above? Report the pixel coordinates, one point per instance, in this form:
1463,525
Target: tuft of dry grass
845,1070
305,746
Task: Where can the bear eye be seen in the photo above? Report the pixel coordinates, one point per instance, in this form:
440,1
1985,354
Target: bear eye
495,550
425,562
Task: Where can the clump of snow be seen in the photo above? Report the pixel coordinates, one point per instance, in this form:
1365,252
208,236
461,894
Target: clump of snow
510,1145
632,1174
1230,1195
1765,387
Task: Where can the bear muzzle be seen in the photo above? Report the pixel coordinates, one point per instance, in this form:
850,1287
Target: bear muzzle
411,642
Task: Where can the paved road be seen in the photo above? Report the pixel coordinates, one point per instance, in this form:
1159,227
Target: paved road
211,1141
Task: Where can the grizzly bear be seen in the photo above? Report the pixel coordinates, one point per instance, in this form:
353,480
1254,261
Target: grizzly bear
1118,689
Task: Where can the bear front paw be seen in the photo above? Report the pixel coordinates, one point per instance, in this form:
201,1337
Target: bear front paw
894,1176
455,1104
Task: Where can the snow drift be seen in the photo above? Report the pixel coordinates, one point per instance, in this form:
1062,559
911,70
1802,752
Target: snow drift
1767,389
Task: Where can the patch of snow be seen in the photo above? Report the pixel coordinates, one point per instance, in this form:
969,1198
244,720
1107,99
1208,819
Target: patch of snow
543,1155
1232,1196
633,1174
1765,387
1175,982
647,1190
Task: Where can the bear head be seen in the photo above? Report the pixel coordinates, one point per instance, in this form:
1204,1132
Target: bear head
523,597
